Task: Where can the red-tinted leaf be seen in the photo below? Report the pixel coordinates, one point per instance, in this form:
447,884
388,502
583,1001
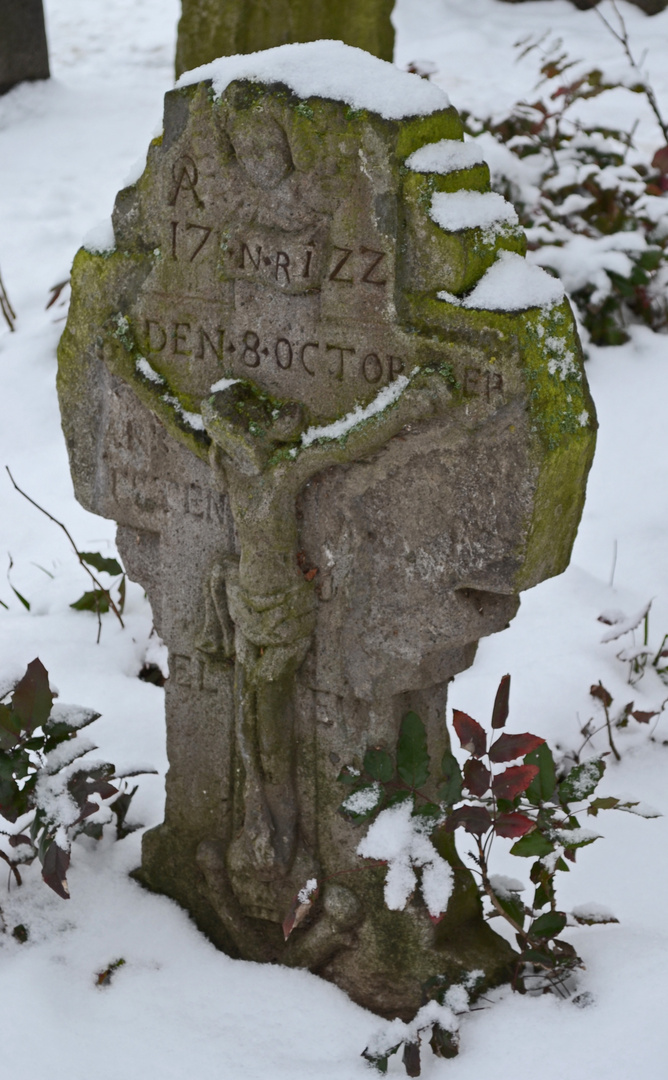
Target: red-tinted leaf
603,695
412,1058
500,710
469,732
513,781
660,160
54,869
88,810
475,819
509,747
19,838
513,825
643,717
103,788
299,909
437,918
32,699
477,777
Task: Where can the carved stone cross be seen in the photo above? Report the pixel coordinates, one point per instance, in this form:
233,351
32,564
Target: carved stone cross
330,479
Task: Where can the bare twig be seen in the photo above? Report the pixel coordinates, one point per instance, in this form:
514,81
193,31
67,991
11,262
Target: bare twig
622,36
6,307
90,573
55,291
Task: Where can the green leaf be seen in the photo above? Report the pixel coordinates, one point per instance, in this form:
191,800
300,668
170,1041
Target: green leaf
378,765
444,1043
581,781
26,603
363,802
609,802
98,562
431,811
379,1061
542,896
541,788
95,600
535,956
398,797
412,755
10,728
548,925
121,595
32,699
349,776
534,843
450,790
11,801
514,908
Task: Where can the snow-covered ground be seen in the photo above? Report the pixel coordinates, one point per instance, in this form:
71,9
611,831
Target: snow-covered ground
177,1007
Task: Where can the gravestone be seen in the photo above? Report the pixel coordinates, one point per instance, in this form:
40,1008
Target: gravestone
338,438
212,28
23,49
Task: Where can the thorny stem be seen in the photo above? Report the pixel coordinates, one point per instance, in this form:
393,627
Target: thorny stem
90,573
609,727
655,661
622,37
489,892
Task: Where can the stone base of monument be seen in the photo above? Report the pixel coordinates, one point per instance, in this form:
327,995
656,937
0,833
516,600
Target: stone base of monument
341,424
23,49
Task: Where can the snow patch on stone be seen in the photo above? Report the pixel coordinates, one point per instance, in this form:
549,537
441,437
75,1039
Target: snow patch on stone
513,284
100,240
222,384
387,396
328,69
445,156
144,368
486,210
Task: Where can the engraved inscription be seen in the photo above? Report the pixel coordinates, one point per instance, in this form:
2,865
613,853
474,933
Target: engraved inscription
479,383
191,672
185,178
188,239
184,339
365,267
333,359
284,267
150,494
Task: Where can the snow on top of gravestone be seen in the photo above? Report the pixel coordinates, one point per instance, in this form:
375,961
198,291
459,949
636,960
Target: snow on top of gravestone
471,210
328,69
100,239
445,156
511,284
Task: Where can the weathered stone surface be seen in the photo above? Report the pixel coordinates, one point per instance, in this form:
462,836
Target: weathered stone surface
212,28
23,49
284,243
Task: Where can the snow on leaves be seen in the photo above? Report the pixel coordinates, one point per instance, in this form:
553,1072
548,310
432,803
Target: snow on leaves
400,838
44,786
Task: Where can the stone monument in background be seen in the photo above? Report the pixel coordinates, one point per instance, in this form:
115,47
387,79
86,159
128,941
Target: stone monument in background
212,28
23,49
341,424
